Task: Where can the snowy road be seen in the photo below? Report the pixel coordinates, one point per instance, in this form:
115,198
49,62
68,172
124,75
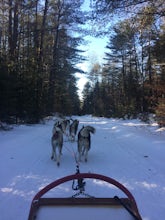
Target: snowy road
128,151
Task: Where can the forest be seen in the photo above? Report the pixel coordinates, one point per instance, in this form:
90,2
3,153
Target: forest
39,53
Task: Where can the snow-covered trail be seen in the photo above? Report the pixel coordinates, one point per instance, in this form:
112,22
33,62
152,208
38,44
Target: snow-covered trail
125,150
138,163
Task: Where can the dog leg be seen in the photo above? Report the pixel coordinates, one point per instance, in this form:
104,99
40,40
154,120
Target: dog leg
53,153
52,156
59,153
79,154
79,150
79,157
58,158
86,155
72,138
83,151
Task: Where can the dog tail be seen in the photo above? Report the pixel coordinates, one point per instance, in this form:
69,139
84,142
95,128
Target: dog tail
91,129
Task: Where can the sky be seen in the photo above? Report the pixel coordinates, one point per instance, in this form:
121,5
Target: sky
95,50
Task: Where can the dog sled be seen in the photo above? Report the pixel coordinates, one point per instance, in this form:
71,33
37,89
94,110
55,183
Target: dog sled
81,205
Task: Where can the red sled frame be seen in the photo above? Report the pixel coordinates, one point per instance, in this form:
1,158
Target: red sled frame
128,203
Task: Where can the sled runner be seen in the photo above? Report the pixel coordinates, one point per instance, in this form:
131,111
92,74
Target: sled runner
81,205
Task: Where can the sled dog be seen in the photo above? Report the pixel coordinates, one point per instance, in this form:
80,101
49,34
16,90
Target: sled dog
63,124
57,144
84,141
73,129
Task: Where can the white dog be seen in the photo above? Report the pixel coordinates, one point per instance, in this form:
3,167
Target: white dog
84,141
73,129
57,144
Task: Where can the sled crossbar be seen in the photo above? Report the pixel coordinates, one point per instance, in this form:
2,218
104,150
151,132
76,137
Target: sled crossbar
47,208
81,201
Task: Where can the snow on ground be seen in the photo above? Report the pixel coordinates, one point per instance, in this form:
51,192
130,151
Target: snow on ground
129,151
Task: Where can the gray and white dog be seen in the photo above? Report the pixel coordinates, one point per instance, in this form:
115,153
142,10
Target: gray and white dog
84,141
73,129
57,143
65,124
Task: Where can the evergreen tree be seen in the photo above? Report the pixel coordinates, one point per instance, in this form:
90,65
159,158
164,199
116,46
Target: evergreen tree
38,54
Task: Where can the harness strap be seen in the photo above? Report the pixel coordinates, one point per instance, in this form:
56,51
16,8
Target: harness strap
80,186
